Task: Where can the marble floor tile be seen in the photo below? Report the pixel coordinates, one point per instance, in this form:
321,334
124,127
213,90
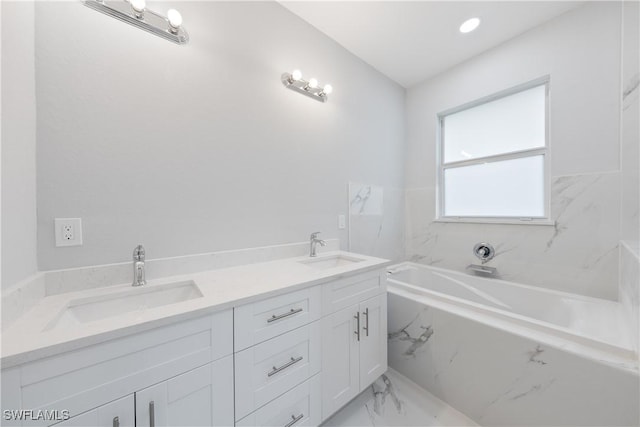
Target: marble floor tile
394,400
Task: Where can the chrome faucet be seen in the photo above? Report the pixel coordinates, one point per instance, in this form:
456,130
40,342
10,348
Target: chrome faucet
313,243
138,266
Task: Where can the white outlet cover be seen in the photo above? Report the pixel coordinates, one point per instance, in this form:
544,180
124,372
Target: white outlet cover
61,224
342,223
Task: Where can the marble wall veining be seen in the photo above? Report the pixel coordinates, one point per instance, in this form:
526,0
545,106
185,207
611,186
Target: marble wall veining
498,378
376,221
578,253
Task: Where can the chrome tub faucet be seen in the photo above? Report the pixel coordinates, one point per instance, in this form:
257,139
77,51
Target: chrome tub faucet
138,266
313,244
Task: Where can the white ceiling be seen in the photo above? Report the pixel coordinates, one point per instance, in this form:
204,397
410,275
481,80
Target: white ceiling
411,41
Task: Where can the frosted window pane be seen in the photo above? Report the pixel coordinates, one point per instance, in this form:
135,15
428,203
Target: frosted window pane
513,123
508,188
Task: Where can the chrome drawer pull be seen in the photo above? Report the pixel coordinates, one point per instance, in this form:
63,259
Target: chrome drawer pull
294,420
152,414
116,422
291,312
366,328
285,366
357,331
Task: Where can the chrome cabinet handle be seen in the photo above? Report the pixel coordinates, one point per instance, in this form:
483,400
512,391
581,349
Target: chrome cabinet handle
291,312
285,366
366,328
152,414
357,332
294,420
116,422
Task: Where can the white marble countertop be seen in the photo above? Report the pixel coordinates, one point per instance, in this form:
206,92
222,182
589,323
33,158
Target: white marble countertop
29,338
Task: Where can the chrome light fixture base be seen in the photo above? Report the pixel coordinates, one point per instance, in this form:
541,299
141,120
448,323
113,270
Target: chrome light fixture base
148,20
302,86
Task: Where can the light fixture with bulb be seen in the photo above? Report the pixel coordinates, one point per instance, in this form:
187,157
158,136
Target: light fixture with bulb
135,12
310,88
469,25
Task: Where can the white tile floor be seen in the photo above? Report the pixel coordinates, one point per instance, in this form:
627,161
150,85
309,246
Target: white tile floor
394,400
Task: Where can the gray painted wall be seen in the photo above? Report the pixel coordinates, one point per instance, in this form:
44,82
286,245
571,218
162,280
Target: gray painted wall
18,143
197,148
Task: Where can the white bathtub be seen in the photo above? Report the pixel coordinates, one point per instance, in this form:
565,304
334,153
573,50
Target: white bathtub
573,322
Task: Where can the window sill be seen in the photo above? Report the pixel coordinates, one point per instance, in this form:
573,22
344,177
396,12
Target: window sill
502,221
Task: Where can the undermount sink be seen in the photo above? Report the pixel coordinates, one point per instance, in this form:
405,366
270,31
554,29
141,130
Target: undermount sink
331,261
90,309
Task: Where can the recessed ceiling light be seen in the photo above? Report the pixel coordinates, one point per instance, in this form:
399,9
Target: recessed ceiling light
469,25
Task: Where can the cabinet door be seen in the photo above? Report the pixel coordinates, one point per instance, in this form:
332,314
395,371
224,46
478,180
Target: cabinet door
339,359
373,339
119,413
201,397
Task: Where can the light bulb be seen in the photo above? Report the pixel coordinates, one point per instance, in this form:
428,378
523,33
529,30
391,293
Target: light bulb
327,89
138,6
313,83
469,25
175,20
296,75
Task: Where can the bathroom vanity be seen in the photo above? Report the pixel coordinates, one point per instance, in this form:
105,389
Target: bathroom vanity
287,342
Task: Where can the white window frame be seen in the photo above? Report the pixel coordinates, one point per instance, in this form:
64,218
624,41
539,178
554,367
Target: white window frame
544,151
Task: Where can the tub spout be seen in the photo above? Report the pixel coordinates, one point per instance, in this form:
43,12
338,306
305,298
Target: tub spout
482,269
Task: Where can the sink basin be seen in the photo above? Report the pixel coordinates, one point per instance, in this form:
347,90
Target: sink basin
90,309
332,261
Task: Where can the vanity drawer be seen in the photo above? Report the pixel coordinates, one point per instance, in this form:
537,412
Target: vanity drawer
259,321
86,378
298,407
342,293
267,370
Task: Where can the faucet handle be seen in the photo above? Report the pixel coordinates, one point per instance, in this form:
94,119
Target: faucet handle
138,253
314,235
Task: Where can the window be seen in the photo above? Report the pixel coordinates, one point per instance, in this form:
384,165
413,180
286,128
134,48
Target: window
493,157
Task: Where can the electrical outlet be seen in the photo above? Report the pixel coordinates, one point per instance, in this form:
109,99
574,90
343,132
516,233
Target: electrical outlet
342,222
68,231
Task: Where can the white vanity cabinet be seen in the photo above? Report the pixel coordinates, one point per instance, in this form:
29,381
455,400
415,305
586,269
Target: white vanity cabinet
119,413
200,397
289,360
187,359
355,350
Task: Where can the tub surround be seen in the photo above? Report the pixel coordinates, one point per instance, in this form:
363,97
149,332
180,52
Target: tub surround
630,126
629,290
497,377
577,254
27,340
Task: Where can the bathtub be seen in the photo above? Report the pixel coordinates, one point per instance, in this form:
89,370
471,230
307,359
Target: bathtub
598,323
510,354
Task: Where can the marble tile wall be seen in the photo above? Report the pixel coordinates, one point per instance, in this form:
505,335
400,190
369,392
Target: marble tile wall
630,128
578,254
629,288
376,221
497,378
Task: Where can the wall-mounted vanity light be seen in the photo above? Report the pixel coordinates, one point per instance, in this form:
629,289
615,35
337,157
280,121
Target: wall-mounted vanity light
310,88
135,12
